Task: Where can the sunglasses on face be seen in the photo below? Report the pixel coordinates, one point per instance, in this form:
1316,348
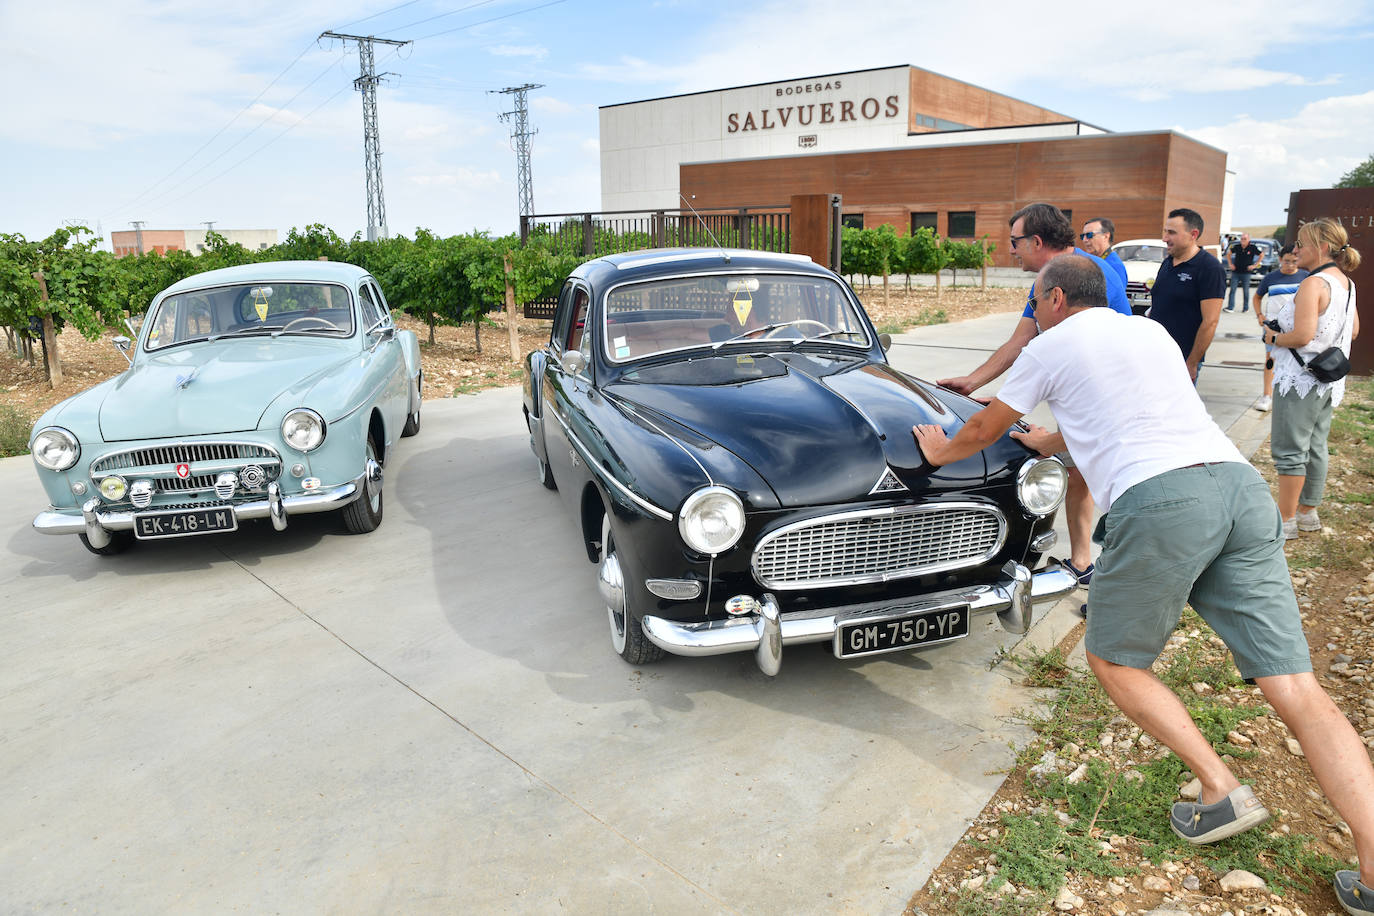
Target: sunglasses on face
1017,238
1088,235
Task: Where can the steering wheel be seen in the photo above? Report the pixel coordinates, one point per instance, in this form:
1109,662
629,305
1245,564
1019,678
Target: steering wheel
825,328
313,318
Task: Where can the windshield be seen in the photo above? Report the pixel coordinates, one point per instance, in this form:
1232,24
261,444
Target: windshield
251,309
1154,253
728,310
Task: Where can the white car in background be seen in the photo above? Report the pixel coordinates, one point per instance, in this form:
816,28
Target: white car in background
1142,258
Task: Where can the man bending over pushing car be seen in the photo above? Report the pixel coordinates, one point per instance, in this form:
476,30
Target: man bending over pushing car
1187,519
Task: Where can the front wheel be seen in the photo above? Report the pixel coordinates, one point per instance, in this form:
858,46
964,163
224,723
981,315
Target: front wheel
364,514
627,635
119,542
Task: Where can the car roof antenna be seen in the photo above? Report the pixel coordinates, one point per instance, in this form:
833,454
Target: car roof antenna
711,234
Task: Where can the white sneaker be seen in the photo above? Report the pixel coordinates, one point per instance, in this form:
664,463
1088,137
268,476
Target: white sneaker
1308,521
1264,403
1290,529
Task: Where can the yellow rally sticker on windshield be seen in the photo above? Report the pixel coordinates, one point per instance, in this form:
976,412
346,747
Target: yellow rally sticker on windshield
743,303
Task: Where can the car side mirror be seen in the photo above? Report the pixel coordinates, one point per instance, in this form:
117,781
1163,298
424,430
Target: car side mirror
574,362
885,341
123,345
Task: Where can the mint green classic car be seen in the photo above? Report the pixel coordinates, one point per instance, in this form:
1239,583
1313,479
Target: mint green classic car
261,391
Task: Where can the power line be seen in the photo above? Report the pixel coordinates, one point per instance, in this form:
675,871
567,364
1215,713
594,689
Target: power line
382,13
472,25
217,133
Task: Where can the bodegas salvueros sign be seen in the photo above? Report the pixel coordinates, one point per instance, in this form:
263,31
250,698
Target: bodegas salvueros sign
803,114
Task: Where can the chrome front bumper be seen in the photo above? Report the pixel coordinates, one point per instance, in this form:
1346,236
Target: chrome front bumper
1012,599
97,523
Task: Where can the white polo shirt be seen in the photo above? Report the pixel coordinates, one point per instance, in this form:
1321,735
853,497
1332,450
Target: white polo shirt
1121,394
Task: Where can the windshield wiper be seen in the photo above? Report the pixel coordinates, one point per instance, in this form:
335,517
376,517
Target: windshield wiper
313,327
250,329
753,333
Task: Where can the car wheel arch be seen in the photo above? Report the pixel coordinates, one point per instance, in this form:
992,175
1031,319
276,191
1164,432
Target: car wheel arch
592,509
376,427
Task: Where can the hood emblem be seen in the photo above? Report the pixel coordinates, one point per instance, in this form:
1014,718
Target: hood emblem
184,380
888,483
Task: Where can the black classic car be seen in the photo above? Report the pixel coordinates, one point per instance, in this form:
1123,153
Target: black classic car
727,430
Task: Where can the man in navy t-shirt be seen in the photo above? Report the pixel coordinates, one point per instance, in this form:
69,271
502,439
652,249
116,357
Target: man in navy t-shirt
1186,297
1039,234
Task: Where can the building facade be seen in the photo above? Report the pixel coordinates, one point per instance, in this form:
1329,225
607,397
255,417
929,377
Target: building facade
904,146
161,241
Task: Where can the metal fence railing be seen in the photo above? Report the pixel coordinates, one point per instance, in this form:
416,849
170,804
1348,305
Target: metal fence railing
594,234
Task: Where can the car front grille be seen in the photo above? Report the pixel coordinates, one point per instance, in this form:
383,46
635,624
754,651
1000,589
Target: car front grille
206,460
878,545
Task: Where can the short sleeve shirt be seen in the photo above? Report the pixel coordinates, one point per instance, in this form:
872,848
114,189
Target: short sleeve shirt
1116,287
1178,293
1279,278
1245,256
1114,261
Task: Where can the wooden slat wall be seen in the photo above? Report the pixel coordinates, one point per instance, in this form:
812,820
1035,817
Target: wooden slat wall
942,97
1134,179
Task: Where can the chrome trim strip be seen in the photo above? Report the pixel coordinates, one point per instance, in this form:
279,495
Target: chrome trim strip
607,478
70,521
139,470
744,634
852,301
669,436
890,575
701,253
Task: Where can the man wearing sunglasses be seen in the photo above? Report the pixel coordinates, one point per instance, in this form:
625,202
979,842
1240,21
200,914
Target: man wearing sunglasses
1039,234
1097,238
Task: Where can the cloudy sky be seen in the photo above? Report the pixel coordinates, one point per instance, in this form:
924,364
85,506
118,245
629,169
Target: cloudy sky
178,113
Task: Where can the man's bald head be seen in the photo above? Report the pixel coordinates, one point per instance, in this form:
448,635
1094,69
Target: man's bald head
1080,278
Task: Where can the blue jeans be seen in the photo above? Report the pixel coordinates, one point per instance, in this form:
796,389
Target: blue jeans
1238,279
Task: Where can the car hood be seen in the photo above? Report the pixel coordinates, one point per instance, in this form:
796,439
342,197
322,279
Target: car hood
218,386
818,429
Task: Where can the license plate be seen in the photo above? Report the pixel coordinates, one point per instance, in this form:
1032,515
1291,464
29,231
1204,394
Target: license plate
871,635
181,523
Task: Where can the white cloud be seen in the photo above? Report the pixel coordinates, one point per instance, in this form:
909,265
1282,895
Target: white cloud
533,51
549,105
1311,149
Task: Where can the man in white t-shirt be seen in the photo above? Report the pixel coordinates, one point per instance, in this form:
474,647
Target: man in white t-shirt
1188,520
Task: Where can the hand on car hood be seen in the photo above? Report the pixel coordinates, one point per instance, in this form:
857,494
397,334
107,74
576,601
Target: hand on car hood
819,431
213,387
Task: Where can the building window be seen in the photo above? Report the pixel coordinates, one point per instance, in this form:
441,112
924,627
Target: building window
961,224
852,220
923,220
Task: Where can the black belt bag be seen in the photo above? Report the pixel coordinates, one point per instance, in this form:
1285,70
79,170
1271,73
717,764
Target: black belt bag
1331,364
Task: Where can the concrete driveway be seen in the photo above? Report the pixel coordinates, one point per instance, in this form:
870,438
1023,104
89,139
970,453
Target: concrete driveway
430,718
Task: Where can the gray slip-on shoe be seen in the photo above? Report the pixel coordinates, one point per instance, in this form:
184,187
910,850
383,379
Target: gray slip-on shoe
1354,895
1237,812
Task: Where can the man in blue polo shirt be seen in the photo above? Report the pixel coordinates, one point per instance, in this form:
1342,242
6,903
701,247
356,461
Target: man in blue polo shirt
1098,236
1039,234
1186,297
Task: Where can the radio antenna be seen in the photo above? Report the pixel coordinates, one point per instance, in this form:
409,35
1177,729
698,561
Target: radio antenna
709,233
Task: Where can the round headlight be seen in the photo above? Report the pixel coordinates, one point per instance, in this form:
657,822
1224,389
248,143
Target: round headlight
1041,485
302,429
711,520
55,449
113,488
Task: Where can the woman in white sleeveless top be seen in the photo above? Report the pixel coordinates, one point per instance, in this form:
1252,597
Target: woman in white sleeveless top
1320,316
